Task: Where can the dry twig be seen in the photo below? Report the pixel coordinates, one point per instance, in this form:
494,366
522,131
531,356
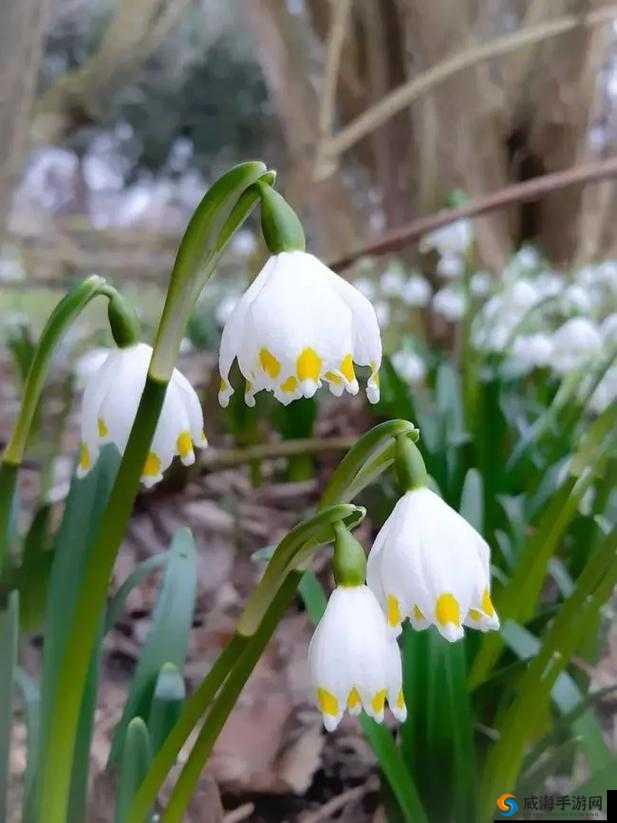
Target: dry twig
518,193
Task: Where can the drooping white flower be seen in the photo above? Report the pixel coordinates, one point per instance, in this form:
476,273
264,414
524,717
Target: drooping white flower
577,298
110,403
451,266
455,238
416,291
480,283
450,303
354,660
574,343
88,364
299,324
429,564
608,328
409,366
392,281
532,351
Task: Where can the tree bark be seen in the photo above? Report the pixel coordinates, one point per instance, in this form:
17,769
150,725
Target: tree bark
23,26
283,54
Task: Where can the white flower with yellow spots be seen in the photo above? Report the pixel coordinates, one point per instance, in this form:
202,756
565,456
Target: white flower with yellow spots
297,325
110,403
354,661
430,565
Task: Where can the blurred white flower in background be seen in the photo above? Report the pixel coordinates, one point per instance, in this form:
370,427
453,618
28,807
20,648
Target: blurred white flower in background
578,299
532,351
392,281
383,312
480,283
574,343
225,307
451,266
366,287
416,291
450,303
409,366
455,238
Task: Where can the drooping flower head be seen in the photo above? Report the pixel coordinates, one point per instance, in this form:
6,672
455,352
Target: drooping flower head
298,325
430,565
110,403
354,661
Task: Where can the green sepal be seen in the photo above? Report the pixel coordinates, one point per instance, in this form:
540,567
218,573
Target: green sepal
123,321
410,468
281,228
349,562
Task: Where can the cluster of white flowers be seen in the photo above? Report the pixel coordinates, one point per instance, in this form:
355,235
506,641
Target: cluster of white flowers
540,318
427,564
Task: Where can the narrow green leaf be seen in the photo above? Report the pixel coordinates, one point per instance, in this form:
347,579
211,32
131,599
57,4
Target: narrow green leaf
137,576
9,620
472,499
134,764
167,641
313,595
169,693
35,569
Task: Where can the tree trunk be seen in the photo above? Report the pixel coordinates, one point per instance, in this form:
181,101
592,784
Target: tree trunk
282,51
23,26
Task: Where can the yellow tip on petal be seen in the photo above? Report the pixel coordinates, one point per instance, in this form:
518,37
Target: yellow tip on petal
269,363
152,466
394,611
378,701
417,613
400,700
327,702
184,444
332,377
290,385
84,458
308,365
347,368
447,610
353,699
102,427
487,604
474,614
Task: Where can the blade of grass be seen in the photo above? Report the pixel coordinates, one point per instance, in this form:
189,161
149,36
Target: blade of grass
134,764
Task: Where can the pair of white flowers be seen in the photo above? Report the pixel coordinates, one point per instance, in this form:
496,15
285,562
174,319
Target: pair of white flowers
427,565
297,326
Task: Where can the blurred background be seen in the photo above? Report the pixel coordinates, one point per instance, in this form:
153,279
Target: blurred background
499,331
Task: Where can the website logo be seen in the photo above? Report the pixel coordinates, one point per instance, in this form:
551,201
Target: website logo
507,805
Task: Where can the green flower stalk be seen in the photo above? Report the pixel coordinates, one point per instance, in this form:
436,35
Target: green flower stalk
125,329
223,209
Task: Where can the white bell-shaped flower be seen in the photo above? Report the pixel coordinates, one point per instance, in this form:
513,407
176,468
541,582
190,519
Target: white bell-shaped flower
110,403
429,564
299,324
354,660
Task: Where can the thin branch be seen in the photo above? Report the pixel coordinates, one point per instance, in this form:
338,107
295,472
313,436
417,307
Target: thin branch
336,37
519,193
402,97
217,459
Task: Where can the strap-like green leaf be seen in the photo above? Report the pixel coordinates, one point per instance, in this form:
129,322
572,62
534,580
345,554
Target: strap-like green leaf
167,641
9,619
136,758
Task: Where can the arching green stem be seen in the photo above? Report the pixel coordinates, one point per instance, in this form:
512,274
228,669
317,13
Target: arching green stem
219,214
124,324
